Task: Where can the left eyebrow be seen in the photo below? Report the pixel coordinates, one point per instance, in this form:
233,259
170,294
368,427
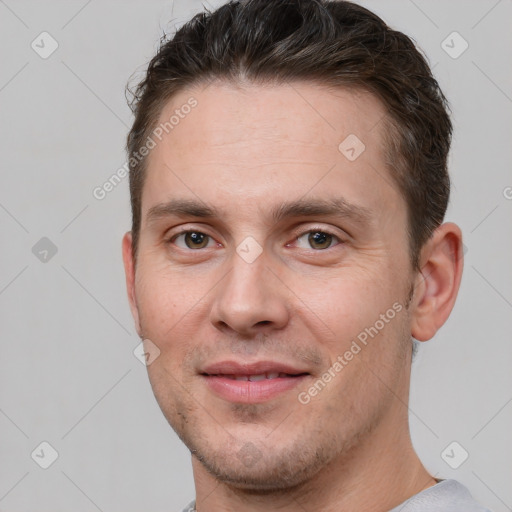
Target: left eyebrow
334,207
338,207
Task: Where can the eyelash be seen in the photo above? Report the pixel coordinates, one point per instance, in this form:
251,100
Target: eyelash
298,235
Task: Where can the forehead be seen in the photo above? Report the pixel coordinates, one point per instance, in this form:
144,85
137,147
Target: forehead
231,113
249,144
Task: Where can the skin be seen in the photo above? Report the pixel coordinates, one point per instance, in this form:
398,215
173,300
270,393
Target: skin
244,151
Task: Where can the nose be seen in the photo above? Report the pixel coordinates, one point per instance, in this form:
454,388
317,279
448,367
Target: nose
250,299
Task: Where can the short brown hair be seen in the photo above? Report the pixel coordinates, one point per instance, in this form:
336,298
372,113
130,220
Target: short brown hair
336,43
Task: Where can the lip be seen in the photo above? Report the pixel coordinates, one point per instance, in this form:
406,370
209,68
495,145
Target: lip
256,368
220,379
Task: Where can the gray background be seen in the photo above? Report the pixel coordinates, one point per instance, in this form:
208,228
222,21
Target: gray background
68,373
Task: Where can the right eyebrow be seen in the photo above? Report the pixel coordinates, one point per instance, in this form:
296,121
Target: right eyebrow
180,208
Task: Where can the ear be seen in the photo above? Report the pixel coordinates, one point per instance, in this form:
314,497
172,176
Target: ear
129,270
437,283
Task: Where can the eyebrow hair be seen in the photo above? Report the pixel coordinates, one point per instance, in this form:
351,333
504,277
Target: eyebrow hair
337,206
180,208
300,208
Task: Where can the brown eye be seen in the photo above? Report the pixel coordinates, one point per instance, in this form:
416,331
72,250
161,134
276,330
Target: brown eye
192,240
318,240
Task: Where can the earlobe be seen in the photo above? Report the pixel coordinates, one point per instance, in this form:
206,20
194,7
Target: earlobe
129,270
438,282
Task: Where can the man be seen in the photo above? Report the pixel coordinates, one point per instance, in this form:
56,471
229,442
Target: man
288,183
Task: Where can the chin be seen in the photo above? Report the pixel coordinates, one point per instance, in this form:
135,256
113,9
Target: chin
263,470
265,479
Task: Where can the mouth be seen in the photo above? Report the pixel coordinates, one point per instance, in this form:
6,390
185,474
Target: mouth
251,383
256,378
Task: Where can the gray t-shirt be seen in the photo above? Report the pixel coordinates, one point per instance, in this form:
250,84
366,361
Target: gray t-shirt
446,496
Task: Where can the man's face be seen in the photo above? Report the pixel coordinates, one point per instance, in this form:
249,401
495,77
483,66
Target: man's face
296,250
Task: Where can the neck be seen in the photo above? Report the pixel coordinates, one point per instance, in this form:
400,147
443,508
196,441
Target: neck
377,474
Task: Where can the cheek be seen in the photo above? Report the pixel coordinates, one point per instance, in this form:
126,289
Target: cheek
173,311
345,305
164,297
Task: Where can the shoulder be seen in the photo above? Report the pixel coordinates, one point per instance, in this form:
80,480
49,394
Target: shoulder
191,507
446,496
